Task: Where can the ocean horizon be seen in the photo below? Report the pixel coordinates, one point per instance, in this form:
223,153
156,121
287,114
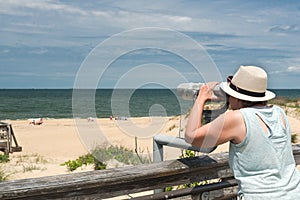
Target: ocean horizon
57,103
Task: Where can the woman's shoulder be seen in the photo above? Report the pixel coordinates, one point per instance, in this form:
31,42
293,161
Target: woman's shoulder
229,119
235,126
234,116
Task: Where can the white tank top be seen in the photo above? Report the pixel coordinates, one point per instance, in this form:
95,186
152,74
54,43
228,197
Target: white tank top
263,164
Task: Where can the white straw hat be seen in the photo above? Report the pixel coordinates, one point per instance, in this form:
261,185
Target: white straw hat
248,83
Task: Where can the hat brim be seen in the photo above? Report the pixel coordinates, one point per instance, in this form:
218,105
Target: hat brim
225,87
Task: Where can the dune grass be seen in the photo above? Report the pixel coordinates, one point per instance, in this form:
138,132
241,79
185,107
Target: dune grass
3,174
101,155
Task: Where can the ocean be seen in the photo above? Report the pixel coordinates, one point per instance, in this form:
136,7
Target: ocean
57,103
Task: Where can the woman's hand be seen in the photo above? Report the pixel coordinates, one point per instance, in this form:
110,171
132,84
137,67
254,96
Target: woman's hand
206,92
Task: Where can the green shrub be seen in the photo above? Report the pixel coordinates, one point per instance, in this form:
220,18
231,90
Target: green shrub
101,155
188,154
4,158
79,162
72,165
99,165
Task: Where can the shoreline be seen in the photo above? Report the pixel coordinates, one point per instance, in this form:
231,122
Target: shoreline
98,118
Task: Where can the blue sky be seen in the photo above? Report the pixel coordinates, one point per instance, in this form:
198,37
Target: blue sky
45,43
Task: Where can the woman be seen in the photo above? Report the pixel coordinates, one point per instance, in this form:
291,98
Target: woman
260,153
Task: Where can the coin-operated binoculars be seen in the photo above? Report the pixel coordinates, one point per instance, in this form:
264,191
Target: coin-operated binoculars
189,91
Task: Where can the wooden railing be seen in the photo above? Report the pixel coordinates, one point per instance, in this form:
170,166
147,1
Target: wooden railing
127,180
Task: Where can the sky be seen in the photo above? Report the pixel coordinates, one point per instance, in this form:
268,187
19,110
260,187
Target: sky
105,44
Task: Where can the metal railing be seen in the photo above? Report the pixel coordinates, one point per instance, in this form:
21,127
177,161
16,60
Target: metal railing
159,141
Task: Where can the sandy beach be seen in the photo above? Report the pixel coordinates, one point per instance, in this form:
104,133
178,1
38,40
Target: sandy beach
47,146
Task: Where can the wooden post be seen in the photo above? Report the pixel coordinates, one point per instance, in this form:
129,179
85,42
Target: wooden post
8,138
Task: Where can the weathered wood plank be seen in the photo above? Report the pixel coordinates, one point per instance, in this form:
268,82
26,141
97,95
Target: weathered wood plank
121,181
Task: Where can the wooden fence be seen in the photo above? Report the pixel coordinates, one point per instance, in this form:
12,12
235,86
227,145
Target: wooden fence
127,180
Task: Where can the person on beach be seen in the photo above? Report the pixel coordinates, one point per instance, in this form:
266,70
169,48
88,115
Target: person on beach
260,153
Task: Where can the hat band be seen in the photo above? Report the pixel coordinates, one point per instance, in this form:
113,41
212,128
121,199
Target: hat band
246,92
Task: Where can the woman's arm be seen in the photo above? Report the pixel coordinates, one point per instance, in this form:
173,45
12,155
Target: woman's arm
194,121
227,127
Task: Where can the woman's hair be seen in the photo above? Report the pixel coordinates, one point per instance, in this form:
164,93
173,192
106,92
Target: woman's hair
246,104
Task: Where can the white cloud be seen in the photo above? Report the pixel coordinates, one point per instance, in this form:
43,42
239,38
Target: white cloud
39,51
179,18
295,69
124,18
23,30
289,70
98,13
5,51
37,74
13,6
31,25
